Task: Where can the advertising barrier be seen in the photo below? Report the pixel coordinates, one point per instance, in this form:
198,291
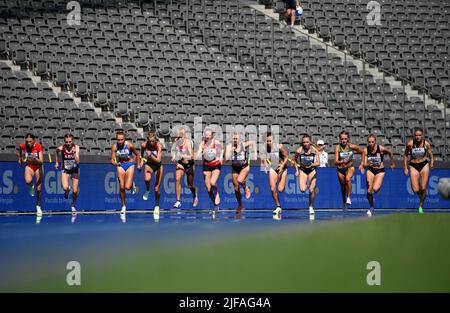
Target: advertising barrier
99,190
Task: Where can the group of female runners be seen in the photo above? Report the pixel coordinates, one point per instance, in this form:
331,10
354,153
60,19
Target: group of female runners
274,161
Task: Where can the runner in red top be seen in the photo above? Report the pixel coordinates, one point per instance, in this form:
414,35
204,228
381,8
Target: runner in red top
31,154
70,154
212,152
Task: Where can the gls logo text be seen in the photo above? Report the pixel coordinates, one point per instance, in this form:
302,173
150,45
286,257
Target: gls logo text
112,183
52,183
432,187
7,183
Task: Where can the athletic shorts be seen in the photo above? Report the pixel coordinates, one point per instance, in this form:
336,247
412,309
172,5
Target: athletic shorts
343,170
71,171
154,166
186,166
208,168
127,165
34,167
307,170
419,166
282,170
376,171
239,168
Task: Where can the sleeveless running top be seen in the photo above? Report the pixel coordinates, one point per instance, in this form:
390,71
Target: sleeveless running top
419,152
32,153
376,158
239,158
183,149
210,155
150,150
345,154
68,158
273,155
124,154
306,160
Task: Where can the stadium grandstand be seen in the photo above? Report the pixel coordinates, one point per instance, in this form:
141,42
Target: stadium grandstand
139,65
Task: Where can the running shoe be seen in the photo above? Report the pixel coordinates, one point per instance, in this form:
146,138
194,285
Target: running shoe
145,196
177,205
156,210
123,210
311,210
420,210
38,210
247,193
214,212
74,210
217,200
370,212
277,210
195,203
349,201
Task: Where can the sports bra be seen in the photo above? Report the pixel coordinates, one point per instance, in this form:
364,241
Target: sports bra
345,154
306,160
418,153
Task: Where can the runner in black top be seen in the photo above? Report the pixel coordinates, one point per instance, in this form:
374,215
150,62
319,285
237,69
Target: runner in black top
274,161
373,157
306,161
238,153
183,154
419,167
151,151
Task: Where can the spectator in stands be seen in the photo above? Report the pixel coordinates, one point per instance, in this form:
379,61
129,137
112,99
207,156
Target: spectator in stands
323,155
291,7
